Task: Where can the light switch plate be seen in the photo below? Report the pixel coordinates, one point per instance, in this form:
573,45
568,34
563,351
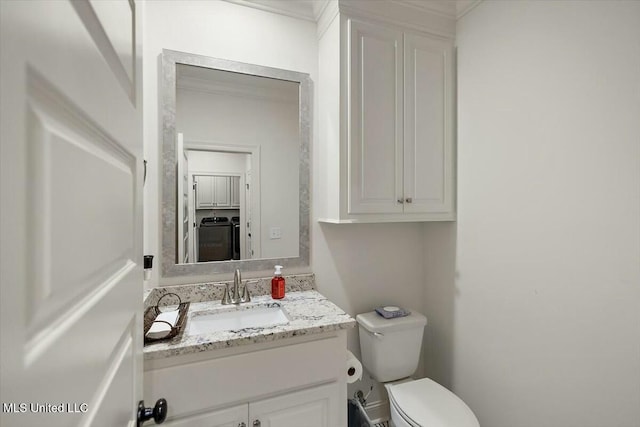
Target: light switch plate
275,233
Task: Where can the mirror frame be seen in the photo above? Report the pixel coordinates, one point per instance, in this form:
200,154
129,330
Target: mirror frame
170,267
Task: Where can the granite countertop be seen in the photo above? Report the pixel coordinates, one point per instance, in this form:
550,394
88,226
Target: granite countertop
308,310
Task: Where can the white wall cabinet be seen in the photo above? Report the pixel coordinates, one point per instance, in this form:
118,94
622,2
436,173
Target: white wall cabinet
204,192
215,191
392,157
235,191
301,382
221,191
375,140
428,125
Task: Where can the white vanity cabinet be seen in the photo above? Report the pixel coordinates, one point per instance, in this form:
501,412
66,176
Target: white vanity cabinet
286,383
228,417
309,407
391,90
313,407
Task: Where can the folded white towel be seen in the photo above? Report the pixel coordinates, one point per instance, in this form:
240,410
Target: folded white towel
161,329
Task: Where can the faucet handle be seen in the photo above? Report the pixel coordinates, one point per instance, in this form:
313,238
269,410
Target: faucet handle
246,295
226,298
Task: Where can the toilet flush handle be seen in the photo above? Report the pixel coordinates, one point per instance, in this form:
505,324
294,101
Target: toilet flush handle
378,334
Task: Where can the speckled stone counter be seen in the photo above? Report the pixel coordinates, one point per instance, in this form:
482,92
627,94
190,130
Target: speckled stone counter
212,291
309,313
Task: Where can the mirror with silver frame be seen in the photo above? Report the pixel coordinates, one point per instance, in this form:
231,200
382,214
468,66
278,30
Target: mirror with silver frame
235,187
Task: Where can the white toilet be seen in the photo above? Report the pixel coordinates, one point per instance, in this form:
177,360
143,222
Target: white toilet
390,351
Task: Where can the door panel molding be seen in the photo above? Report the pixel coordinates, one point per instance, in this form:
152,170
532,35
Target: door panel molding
119,55
71,221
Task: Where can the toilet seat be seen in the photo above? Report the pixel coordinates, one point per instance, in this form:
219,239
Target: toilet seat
425,403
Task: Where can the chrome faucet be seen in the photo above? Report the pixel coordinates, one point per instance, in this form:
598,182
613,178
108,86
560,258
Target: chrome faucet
233,296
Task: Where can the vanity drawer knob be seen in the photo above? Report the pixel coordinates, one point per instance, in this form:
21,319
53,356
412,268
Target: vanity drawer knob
257,423
400,201
158,412
409,200
242,425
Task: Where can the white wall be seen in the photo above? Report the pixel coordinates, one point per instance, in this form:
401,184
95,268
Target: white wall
216,162
533,297
362,266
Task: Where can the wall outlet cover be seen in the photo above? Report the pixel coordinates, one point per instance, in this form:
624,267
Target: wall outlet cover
275,233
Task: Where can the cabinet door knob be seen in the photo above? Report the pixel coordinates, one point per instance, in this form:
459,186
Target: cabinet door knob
242,425
257,423
409,200
158,412
400,201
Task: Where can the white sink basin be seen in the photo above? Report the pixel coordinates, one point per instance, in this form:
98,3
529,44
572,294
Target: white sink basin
206,322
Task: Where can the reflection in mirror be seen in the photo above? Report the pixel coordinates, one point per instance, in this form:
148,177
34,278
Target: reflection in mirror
236,209
216,214
236,148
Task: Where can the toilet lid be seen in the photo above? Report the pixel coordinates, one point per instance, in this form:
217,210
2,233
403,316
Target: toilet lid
428,404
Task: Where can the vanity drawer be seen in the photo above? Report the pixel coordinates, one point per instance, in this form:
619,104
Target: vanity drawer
223,381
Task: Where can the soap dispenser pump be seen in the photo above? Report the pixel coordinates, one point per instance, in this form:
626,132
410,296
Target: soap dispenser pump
277,284
148,265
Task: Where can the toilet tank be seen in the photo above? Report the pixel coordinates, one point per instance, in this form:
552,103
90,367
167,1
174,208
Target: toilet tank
390,348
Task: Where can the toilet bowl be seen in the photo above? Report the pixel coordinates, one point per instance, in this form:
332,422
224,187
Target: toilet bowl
390,351
425,403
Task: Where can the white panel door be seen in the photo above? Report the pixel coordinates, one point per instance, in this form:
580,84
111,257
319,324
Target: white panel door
428,125
313,407
183,201
247,252
193,229
71,207
375,119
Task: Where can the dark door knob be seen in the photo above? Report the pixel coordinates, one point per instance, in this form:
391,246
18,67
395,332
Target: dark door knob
158,412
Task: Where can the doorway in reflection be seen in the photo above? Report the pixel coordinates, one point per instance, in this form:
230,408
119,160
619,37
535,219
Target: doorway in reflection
217,206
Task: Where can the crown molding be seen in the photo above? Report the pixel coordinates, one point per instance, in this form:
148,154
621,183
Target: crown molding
323,11
300,9
328,13
319,7
236,90
465,6
443,8
410,14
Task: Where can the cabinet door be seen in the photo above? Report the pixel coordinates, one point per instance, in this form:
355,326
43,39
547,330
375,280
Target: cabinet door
222,193
204,192
428,125
230,417
235,191
375,119
313,407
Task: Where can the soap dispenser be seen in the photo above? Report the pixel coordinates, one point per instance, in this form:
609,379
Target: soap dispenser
148,265
277,284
